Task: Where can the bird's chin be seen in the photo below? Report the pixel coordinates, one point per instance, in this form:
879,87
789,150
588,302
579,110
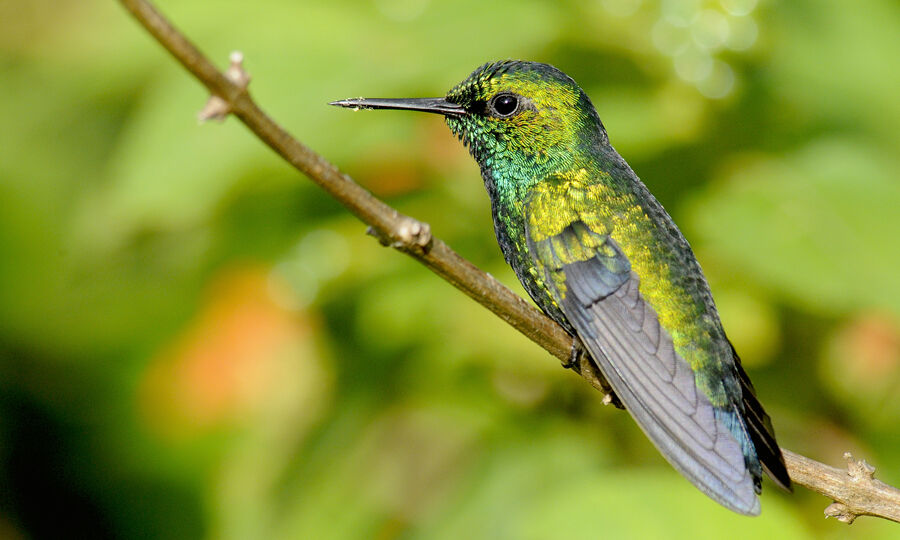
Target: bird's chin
466,135
457,127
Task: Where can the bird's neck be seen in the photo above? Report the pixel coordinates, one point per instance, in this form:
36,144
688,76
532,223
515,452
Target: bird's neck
509,181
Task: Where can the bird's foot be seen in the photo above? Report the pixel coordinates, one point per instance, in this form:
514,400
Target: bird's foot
573,362
612,399
575,355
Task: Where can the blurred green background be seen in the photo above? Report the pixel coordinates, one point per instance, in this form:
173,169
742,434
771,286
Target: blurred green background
196,342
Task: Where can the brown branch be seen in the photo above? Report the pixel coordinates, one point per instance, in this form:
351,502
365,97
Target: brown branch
854,491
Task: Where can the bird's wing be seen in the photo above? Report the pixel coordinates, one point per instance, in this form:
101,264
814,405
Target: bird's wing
592,281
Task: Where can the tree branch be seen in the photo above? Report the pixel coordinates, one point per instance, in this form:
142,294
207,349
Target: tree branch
854,491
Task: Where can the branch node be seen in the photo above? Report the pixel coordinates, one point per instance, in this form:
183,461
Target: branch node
840,512
412,235
859,470
217,108
408,234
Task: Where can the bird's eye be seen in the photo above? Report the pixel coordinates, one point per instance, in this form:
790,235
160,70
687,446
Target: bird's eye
504,105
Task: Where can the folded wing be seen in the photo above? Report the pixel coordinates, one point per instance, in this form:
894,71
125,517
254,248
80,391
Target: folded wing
593,283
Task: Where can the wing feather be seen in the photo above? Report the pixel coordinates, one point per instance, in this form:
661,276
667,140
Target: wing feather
600,296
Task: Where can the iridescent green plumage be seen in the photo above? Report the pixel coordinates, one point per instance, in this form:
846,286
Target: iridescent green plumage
600,255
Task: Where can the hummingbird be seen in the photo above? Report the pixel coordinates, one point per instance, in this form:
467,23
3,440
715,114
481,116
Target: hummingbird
600,256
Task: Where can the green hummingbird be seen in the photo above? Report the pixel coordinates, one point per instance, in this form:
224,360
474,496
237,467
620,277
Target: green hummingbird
599,255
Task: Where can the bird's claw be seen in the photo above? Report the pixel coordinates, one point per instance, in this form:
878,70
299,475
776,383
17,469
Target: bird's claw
573,362
574,355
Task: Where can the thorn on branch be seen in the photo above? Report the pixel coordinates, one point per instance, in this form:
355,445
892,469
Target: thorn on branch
217,108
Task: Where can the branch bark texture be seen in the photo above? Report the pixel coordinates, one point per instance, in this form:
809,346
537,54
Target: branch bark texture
854,489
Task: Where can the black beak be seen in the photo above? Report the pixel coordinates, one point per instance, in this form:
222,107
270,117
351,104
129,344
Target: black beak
431,105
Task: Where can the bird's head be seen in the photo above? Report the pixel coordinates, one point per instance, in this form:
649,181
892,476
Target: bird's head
524,112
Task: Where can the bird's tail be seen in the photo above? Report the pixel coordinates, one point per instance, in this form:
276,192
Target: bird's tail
759,427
